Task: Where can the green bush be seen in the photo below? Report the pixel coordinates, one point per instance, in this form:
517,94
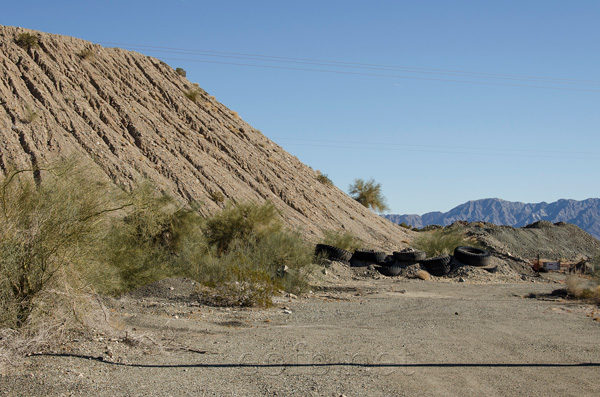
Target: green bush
47,228
341,239
193,94
441,241
242,222
28,40
87,54
62,221
145,244
324,179
181,72
217,197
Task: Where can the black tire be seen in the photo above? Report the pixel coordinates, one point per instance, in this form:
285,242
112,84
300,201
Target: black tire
472,256
438,266
333,253
369,256
410,256
390,271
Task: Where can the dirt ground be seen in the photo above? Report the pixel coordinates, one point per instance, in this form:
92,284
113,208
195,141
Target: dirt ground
356,334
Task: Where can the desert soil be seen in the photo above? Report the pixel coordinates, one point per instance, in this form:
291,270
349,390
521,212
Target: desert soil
356,334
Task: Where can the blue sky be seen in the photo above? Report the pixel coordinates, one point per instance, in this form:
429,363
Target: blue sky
523,124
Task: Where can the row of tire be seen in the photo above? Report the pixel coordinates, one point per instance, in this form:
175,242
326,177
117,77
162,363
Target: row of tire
392,265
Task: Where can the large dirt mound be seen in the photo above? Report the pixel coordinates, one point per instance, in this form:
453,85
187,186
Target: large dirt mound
520,246
131,115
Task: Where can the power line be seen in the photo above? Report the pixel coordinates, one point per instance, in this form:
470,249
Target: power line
398,69
356,64
446,150
382,75
445,147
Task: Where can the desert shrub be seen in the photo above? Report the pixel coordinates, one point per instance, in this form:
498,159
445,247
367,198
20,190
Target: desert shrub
48,228
324,179
217,197
341,239
582,288
285,257
239,251
147,241
441,241
368,193
241,222
30,115
247,286
181,72
87,54
250,237
193,94
28,40
430,227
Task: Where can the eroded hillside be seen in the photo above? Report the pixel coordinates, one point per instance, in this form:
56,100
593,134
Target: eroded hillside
135,117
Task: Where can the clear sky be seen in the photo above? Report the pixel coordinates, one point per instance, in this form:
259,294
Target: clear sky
440,101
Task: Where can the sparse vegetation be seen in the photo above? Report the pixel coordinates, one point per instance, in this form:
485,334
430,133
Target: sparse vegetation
71,227
30,115
582,288
441,241
341,239
217,197
368,193
46,230
193,94
324,179
87,54
28,41
181,72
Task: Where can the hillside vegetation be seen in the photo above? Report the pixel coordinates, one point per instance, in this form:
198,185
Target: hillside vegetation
70,231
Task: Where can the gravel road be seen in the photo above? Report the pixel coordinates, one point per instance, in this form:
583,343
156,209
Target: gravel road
385,337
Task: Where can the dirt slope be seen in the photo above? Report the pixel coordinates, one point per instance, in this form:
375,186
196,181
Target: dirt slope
519,246
129,113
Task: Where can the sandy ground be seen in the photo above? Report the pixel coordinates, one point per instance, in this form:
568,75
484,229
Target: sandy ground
352,336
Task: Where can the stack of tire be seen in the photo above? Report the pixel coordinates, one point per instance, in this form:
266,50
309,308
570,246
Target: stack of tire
333,253
366,257
471,256
438,266
401,259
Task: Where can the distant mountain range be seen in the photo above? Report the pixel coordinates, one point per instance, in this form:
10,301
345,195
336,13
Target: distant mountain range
585,214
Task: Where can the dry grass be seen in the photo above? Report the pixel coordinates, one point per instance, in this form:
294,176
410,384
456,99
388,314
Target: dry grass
341,239
193,94
30,115
28,40
423,275
87,53
582,288
441,241
64,235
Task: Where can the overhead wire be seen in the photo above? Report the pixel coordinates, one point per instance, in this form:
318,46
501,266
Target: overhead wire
366,66
404,69
351,64
463,150
444,147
